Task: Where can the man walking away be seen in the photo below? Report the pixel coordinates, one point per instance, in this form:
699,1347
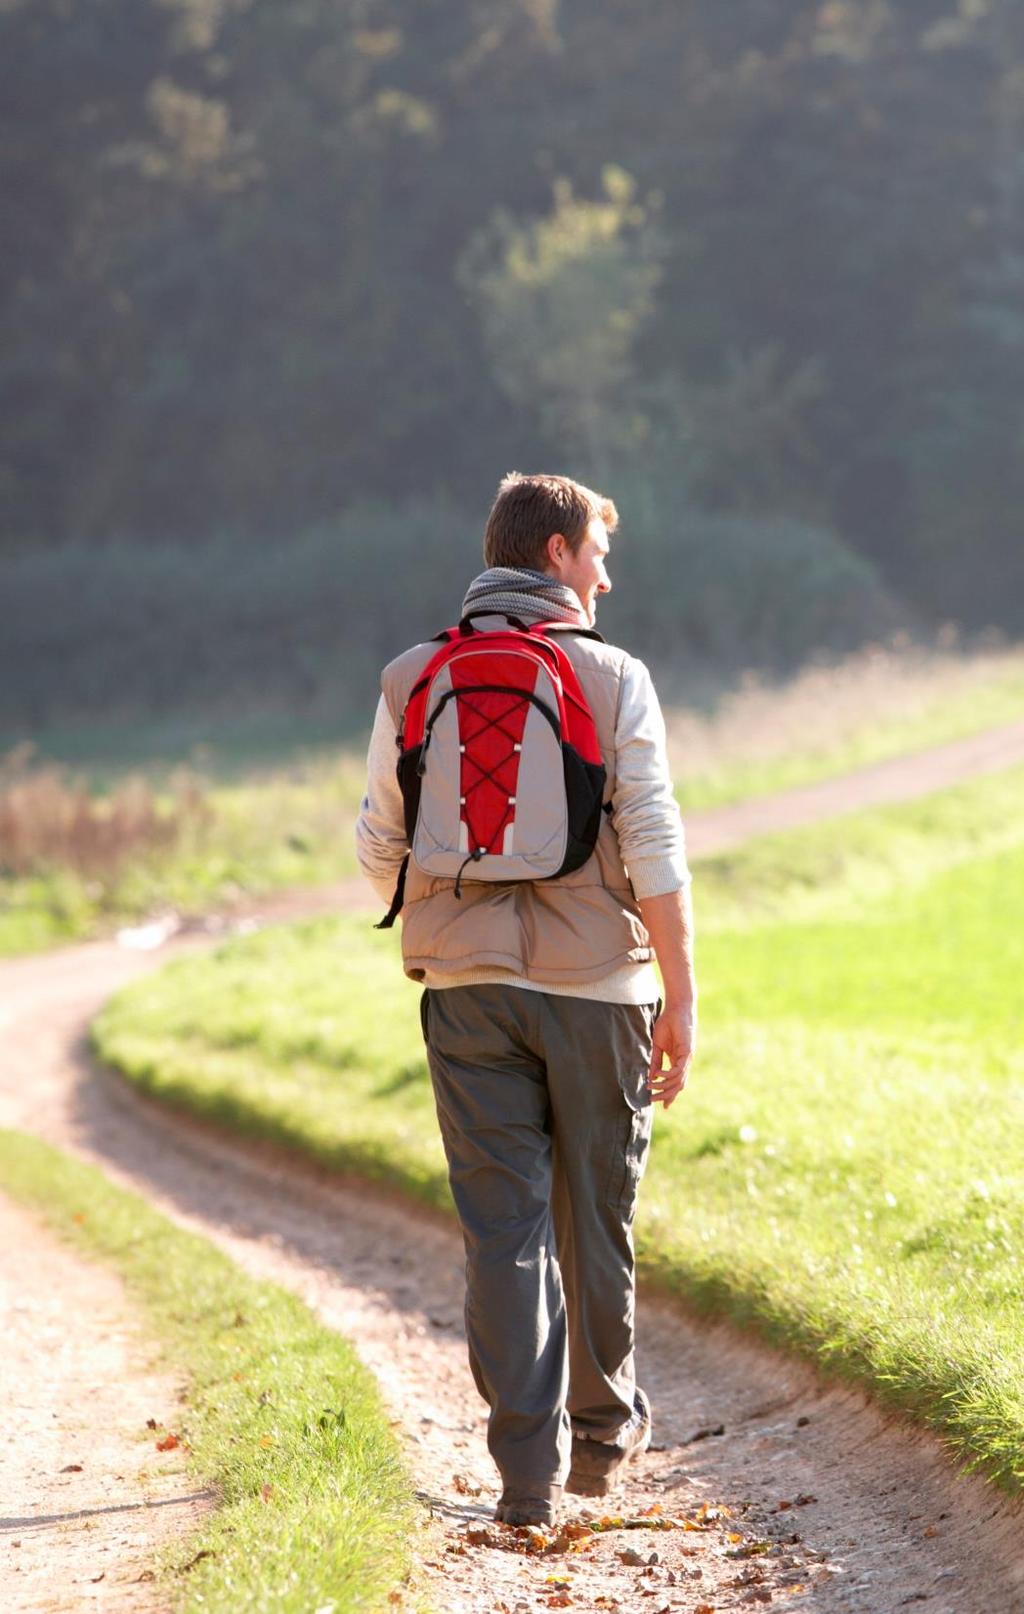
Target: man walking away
546,1038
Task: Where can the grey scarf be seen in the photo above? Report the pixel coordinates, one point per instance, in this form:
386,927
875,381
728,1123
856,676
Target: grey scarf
519,591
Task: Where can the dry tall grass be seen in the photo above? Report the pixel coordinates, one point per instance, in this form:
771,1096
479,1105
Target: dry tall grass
827,706
48,820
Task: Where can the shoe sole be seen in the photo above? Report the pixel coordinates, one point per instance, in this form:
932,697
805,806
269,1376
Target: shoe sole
607,1471
603,1484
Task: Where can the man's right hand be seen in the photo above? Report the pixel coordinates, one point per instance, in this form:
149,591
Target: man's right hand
675,1040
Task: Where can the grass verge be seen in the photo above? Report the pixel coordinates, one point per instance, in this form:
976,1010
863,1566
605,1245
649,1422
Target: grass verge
846,1171
274,832
281,1417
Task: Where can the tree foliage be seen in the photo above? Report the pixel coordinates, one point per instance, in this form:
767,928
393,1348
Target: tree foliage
265,260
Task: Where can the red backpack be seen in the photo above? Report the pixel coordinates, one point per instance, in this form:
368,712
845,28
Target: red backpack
499,762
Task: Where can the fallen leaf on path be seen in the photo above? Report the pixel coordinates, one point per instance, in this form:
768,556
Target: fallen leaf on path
464,1486
803,1501
168,1443
151,1423
570,1538
479,1537
712,1511
751,1576
72,1468
96,1578
533,1540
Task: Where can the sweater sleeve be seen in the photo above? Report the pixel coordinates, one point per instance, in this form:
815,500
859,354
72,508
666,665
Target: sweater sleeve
645,813
380,828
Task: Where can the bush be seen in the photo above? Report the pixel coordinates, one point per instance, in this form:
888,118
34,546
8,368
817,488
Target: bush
305,623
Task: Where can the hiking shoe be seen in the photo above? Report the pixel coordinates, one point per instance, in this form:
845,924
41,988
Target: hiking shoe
539,1506
598,1465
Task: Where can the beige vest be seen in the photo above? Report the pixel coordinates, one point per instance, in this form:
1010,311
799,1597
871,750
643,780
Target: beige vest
576,928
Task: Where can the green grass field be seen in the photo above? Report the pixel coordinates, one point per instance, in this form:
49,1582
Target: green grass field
315,1509
846,1170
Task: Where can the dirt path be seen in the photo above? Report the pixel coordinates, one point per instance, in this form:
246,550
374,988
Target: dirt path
864,1512
903,778
86,1495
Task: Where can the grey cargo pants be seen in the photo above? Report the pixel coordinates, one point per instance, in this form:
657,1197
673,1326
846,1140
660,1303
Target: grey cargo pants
545,1113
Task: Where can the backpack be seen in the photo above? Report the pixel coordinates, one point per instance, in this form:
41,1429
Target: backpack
499,763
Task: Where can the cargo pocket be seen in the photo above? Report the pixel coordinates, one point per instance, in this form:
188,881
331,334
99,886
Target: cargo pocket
630,1158
636,1119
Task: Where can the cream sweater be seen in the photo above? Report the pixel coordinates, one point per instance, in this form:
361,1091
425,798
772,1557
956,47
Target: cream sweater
645,817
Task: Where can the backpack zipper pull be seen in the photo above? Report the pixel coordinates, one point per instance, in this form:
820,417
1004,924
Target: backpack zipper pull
474,857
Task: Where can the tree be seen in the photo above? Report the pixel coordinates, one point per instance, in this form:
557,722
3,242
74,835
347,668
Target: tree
561,300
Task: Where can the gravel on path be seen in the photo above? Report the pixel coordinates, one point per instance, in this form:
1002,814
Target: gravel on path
87,1497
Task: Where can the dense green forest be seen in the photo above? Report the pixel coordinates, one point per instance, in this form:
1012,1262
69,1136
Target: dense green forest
296,281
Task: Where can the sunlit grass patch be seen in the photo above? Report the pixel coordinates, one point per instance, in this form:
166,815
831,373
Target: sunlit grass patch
304,1033
314,1506
861,864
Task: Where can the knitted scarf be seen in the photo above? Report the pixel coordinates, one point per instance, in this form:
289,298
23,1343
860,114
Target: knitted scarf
517,590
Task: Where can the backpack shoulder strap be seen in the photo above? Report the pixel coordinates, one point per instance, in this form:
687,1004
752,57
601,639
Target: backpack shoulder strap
566,627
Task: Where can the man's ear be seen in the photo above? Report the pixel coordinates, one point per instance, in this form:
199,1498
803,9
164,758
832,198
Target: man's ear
556,547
